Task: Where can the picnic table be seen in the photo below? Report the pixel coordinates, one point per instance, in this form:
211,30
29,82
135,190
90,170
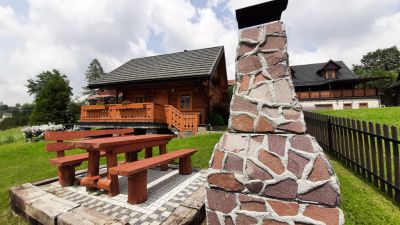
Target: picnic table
130,145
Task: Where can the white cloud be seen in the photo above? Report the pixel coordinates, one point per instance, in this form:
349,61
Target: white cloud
68,34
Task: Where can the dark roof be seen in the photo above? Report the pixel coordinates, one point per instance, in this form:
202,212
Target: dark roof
308,75
186,64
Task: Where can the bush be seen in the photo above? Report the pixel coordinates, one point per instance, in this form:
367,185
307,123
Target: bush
216,119
36,133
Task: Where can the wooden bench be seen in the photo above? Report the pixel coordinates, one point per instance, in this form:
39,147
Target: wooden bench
66,164
137,172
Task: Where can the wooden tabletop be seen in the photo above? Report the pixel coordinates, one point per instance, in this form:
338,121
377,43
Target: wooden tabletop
101,143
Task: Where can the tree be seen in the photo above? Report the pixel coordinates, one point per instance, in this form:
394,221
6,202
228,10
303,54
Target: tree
93,72
52,97
380,63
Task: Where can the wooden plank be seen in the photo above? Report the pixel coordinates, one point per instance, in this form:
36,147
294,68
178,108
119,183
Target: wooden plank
355,146
69,135
374,157
388,161
135,167
367,151
349,143
396,164
361,149
111,142
59,146
343,142
380,157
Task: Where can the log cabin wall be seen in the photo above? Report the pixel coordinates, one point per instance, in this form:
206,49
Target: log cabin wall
218,88
170,93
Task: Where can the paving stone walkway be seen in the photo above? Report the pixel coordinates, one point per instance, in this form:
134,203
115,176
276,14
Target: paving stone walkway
166,191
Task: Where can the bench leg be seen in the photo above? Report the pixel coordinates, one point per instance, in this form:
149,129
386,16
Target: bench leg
137,188
114,184
131,156
185,165
66,175
163,150
148,153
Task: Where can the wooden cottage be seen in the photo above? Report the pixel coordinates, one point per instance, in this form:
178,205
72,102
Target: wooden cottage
396,91
175,91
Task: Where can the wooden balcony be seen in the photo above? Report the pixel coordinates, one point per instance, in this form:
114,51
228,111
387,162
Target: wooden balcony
141,112
328,94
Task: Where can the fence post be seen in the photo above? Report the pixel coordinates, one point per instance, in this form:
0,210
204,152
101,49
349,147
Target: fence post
330,142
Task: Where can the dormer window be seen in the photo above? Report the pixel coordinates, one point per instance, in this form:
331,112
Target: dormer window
330,74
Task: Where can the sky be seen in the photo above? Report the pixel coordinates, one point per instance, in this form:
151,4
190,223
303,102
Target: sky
39,35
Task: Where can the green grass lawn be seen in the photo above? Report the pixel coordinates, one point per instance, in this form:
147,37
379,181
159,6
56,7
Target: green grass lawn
387,115
22,162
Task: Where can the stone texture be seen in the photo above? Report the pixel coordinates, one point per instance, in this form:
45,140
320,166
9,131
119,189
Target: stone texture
225,181
319,171
249,64
251,33
271,161
259,78
296,164
275,58
234,164
276,144
266,132
276,27
291,114
264,125
243,123
254,187
244,84
301,142
220,201
243,105
274,42
261,93
286,189
228,220
234,142
284,94
212,218
251,204
272,112
324,194
256,173
330,216
284,208
243,49
217,160
273,222
243,219
296,127
277,71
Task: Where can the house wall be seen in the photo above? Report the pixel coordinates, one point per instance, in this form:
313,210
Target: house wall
218,87
340,103
169,93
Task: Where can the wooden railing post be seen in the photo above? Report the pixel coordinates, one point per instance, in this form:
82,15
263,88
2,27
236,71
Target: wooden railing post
330,142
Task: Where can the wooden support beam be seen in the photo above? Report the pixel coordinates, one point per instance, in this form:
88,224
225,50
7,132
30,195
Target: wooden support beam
137,187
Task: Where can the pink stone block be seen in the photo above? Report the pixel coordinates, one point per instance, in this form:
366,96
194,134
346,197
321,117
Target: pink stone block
240,104
249,64
234,164
220,201
286,189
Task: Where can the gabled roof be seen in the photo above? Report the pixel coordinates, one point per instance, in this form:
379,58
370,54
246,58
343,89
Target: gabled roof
186,64
308,75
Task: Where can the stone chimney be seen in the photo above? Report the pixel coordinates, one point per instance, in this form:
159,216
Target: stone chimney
266,170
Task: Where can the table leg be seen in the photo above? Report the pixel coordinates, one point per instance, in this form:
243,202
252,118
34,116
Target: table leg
163,150
148,153
93,169
131,156
114,184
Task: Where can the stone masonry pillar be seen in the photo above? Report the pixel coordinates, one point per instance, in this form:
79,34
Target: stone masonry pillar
266,170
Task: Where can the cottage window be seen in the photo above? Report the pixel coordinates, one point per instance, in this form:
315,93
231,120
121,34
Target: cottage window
185,102
330,74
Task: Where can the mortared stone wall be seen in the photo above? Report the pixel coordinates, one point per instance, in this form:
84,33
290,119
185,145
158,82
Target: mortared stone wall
266,170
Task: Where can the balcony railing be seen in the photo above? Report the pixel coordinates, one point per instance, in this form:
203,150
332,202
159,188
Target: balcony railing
141,112
370,92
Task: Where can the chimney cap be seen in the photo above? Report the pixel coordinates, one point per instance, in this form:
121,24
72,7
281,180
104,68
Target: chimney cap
261,13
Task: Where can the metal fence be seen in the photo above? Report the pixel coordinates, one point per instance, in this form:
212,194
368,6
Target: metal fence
369,149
